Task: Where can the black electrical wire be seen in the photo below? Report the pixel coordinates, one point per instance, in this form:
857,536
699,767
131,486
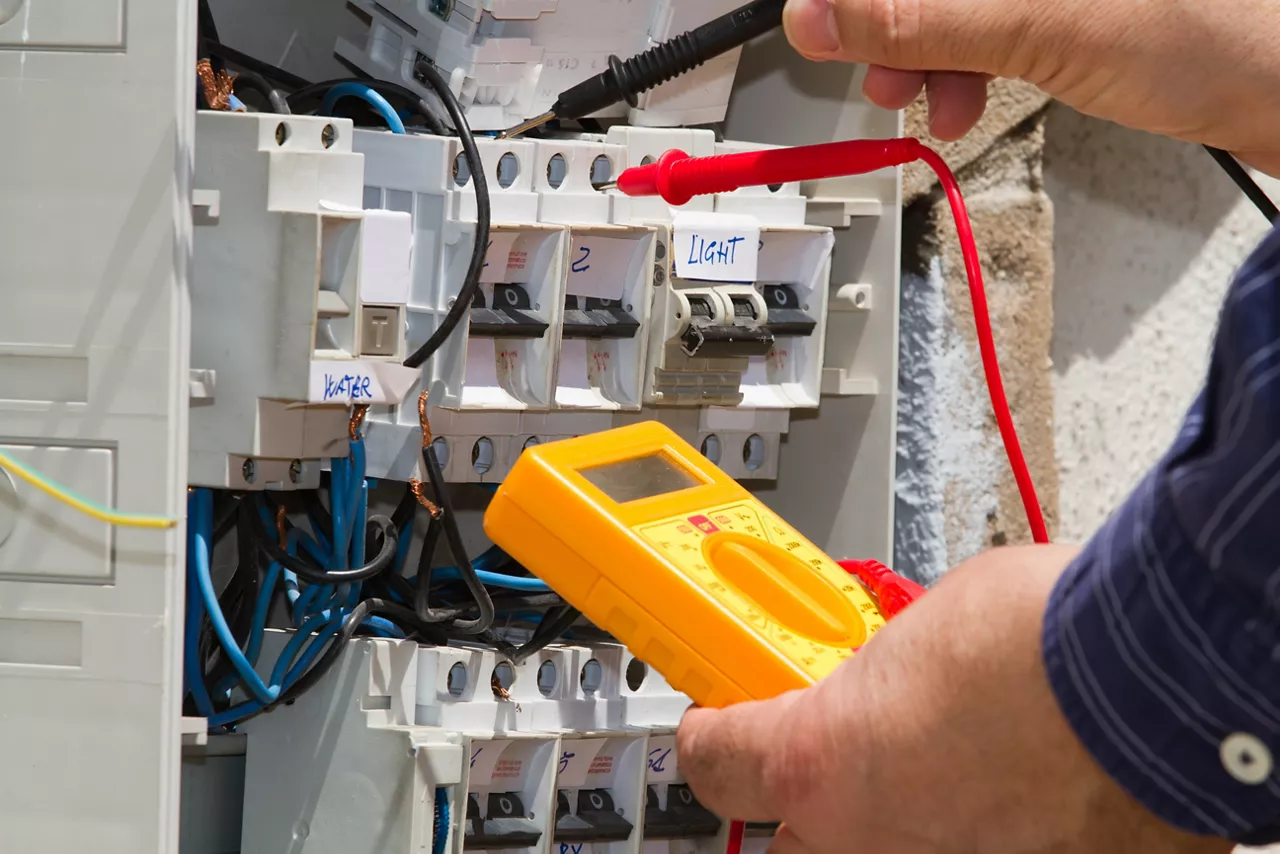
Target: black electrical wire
266,540
386,88
448,523
1246,183
554,624
239,599
470,284
273,97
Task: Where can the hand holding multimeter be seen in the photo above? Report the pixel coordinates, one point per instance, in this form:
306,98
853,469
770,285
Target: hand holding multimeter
701,581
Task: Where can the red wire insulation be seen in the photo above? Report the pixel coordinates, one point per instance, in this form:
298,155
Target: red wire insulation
987,344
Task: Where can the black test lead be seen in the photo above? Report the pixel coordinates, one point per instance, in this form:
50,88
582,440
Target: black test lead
627,80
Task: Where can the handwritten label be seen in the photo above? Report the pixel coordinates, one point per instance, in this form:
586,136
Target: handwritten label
487,762
359,382
564,761
662,760
716,247
497,258
571,848
599,266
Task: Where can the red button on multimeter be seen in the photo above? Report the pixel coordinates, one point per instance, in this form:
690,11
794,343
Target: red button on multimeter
653,543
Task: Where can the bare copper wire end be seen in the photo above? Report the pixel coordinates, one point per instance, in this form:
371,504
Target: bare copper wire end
218,86
358,414
280,525
501,693
431,507
422,418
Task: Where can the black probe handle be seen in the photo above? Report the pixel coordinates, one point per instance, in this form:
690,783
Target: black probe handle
625,81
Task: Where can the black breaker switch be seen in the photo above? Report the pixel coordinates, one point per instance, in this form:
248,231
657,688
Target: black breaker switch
597,319
510,317
597,819
787,318
684,817
507,826
708,340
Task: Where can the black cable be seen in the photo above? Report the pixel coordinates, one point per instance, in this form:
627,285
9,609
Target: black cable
422,593
266,540
470,284
386,88
402,516
245,61
449,522
554,624
274,98
1246,183
206,32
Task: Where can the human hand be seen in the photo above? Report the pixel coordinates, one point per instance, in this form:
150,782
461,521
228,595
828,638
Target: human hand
1207,71
941,735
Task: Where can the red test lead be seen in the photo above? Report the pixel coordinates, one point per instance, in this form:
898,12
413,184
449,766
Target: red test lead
893,592
677,178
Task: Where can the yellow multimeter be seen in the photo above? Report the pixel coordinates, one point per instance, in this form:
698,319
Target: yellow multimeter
657,546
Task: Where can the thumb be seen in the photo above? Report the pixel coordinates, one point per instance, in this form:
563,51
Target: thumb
749,761
915,35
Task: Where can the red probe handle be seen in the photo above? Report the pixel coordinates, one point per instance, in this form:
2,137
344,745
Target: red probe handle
677,177
893,592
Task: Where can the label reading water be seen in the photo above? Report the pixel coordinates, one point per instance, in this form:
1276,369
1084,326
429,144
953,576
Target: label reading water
716,247
359,382
680,540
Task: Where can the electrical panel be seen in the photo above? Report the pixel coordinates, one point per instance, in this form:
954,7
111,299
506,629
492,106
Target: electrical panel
211,298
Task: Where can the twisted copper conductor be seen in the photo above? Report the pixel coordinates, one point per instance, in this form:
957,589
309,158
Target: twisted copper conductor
280,526
423,420
218,86
358,414
416,485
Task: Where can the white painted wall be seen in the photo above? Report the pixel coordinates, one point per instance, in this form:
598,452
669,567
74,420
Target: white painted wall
1148,233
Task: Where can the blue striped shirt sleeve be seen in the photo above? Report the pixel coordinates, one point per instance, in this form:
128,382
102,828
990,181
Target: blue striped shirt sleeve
1162,639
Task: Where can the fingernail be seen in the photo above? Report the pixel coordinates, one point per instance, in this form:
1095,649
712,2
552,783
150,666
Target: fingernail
811,26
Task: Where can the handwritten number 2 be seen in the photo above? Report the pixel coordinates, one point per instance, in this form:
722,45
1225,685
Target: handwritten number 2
580,264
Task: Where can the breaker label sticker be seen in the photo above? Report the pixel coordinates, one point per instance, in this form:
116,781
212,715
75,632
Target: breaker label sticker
716,247
360,382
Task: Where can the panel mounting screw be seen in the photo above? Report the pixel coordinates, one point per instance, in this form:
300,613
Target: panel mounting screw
249,470
295,471
659,276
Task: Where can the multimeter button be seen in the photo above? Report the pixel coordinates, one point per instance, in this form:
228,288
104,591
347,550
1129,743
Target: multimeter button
786,588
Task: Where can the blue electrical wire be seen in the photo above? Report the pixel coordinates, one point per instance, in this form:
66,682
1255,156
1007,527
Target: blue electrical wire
440,827
371,96
494,579
201,543
192,665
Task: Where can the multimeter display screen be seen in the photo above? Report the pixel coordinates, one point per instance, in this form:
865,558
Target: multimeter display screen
640,477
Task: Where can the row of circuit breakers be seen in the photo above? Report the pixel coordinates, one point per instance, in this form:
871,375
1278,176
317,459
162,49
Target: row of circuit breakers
454,749
325,255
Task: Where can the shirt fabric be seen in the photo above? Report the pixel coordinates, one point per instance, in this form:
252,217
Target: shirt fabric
1162,639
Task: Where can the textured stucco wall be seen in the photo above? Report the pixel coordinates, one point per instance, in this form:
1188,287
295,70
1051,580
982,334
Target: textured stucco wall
1148,232
955,494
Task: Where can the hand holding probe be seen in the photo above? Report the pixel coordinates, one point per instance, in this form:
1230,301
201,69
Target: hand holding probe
627,80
